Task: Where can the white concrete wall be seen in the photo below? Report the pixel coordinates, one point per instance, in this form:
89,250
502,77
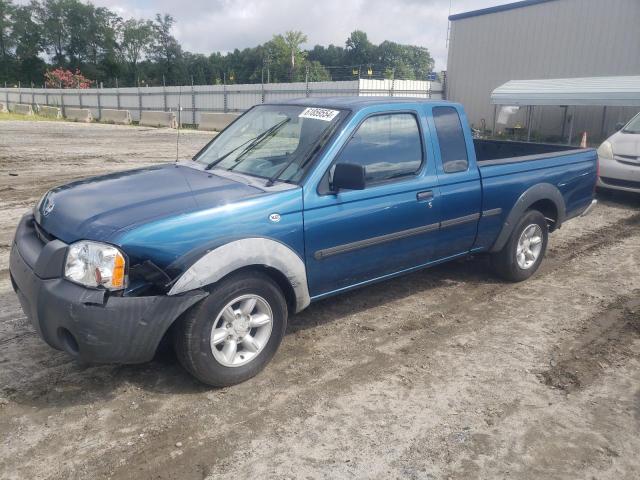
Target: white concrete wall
189,102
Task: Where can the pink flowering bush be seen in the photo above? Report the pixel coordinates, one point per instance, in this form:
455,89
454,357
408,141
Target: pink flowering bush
60,77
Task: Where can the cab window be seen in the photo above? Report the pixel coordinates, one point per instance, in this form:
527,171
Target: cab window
388,146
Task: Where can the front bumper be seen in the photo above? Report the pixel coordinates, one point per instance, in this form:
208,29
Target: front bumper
90,324
617,175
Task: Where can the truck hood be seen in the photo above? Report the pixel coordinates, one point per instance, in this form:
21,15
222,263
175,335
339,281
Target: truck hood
98,207
625,144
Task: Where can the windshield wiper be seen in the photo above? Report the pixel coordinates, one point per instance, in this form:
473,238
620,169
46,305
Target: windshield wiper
268,134
307,156
251,143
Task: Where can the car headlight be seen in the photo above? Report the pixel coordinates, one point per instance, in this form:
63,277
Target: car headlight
605,150
95,264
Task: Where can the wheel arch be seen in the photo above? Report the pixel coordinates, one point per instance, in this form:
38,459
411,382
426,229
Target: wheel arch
543,197
273,258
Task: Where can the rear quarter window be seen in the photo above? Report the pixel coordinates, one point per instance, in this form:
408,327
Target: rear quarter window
453,148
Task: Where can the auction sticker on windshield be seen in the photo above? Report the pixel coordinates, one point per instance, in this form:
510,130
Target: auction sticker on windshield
319,113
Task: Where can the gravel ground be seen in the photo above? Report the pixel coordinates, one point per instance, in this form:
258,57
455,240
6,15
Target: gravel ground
445,373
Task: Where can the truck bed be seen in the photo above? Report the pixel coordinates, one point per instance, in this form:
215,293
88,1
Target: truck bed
508,169
493,152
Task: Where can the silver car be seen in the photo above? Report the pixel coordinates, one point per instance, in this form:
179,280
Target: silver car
620,158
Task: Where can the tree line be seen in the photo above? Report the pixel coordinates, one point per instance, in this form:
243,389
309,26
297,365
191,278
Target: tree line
109,50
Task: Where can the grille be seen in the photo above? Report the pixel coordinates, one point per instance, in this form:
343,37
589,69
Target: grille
628,159
616,182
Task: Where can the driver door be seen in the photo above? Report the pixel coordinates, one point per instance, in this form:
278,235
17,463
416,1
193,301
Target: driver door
356,236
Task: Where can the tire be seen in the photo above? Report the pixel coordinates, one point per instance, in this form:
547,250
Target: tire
194,336
506,262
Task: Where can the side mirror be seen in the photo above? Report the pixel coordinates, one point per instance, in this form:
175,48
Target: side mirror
619,126
349,176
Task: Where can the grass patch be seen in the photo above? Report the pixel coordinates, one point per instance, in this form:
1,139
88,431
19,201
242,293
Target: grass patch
31,118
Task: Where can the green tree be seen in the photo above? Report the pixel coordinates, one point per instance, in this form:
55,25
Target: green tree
7,10
331,56
284,54
317,72
404,61
359,49
165,50
293,40
51,16
27,38
74,34
135,42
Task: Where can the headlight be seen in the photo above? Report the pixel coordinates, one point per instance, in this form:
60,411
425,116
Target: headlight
605,151
95,264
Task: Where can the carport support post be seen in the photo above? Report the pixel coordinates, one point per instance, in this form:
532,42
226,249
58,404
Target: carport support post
529,120
139,102
495,114
564,121
571,126
602,125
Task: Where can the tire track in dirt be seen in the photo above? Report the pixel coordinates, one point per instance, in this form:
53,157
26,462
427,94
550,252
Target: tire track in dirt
583,359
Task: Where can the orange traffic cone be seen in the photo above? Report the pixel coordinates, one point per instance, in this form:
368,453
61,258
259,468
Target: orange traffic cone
583,142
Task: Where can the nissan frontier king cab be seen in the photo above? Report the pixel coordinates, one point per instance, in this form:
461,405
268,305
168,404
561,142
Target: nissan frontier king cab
292,203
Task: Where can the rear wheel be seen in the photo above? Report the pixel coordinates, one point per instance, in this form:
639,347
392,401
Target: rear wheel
523,253
232,334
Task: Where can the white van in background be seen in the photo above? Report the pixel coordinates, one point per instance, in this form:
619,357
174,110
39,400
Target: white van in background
619,157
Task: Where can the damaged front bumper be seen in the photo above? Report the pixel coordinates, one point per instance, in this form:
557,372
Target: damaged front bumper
88,323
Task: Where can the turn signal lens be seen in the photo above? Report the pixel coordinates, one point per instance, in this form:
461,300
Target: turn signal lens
117,277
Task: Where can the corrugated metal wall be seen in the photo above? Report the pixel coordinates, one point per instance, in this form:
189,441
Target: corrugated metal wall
211,98
557,39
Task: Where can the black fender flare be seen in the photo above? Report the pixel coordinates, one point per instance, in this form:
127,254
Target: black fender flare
541,191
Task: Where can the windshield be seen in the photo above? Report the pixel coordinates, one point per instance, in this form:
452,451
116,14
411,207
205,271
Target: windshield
275,142
633,126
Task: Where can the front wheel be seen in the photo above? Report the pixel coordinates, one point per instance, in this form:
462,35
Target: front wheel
232,334
523,253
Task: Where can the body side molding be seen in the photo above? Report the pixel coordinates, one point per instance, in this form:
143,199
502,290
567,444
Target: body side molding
459,220
492,212
246,252
370,242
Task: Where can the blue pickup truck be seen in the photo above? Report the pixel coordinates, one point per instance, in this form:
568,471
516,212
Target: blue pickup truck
292,203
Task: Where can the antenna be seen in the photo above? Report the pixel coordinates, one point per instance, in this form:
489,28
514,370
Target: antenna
179,122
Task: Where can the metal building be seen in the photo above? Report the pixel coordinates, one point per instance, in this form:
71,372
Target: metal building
542,39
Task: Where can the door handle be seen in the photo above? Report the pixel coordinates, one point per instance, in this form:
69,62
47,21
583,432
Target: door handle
425,196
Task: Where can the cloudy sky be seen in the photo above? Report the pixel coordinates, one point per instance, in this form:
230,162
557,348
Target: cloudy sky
204,26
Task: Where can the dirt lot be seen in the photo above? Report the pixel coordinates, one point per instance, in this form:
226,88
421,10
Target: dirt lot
446,373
